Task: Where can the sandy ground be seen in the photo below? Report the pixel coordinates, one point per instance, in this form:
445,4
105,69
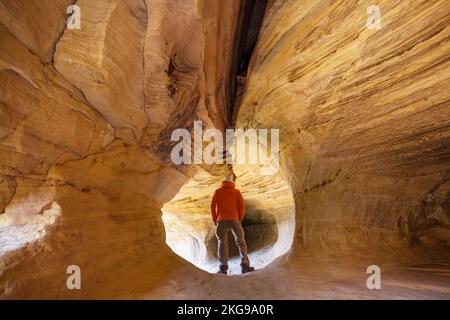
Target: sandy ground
307,276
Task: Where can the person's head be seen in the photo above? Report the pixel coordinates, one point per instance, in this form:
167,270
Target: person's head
229,178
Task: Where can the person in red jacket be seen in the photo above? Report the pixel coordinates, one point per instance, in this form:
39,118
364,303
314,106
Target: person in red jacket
227,210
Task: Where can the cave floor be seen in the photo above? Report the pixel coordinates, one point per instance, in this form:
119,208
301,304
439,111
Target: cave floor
306,276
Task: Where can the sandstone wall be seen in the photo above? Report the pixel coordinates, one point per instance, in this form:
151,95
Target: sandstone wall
84,161
364,115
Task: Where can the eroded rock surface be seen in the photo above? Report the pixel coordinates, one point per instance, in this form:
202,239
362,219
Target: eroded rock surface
86,118
364,116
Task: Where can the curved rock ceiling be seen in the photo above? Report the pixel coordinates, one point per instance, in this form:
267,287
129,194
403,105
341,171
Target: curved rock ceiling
86,118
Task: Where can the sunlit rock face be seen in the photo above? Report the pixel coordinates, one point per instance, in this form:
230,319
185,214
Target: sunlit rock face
87,179
105,62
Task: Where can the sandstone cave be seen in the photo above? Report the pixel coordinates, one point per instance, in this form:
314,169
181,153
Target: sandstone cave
86,117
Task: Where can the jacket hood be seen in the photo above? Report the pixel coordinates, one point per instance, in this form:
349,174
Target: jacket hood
228,184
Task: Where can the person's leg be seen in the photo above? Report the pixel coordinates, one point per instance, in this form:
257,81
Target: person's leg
222,244
239,237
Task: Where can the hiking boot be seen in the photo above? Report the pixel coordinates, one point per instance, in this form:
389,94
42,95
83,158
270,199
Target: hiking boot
223,269
245,268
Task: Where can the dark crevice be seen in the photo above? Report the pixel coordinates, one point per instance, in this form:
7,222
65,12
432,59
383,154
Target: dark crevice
250,22
322,183
61,34
12,186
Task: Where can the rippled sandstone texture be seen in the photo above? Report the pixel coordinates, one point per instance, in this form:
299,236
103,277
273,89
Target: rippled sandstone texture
364,117
85,123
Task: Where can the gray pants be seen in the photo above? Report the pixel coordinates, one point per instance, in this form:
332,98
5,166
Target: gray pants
222,229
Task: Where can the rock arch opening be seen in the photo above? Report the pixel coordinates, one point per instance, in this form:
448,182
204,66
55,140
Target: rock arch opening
269,221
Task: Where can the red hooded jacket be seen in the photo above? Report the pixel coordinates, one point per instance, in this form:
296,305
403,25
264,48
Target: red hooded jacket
227,203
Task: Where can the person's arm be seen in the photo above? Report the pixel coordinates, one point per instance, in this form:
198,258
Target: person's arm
214,207
241,206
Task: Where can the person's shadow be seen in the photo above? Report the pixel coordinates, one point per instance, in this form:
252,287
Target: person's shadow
260,229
